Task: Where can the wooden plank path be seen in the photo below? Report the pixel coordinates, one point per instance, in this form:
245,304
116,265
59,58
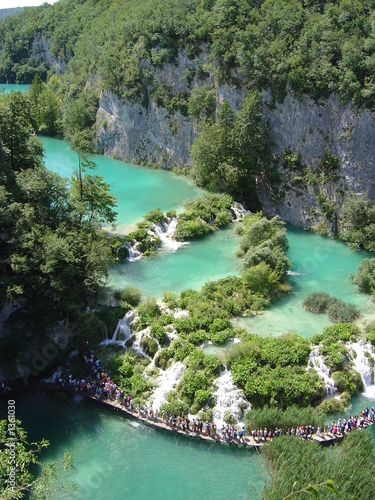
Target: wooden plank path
249,441
154,422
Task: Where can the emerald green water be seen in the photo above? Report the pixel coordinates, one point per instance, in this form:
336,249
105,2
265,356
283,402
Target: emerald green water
137,189
13,87
188,267
318,264
118,458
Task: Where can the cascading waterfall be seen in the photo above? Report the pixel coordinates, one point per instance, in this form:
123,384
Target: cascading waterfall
363,367
228,400
165,231
137,343
123,330
316,361
168,380
134,253
238,210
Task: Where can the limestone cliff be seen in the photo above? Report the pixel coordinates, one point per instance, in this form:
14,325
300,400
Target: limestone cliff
157,135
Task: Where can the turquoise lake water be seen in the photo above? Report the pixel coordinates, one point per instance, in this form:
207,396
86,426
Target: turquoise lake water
137,189
116,457
10,87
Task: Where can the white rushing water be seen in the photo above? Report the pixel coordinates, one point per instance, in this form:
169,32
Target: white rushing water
123,330
168,380
228,399
134,253
316,362
165,231
136,346
363,367
238,210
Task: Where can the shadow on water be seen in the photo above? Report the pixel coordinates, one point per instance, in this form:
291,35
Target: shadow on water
118,457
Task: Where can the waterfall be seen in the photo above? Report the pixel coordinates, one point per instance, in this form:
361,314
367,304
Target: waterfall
123,330
165,231
180,313
134,253
228,399
238,210
363,367
171,332
137,343
168,381
316,361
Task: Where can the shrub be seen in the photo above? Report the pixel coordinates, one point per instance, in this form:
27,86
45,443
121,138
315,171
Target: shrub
222,336
365,277
158,332
339,311
348,381
191,229
148,311
149,345
292,416
162,357
170,299
197,337
175,407
131,295
156,216
316,302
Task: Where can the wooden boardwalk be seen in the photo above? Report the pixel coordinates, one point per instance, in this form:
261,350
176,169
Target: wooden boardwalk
249,441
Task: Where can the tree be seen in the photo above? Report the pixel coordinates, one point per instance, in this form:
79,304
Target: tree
231,153
92,194
16,128
17,456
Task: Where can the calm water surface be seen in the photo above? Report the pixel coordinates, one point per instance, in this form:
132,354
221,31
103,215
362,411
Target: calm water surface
318,264
118,458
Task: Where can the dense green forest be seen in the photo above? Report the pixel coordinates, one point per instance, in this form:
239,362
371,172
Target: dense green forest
312,46
53,254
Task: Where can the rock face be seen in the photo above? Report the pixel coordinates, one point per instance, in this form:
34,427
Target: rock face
313,129
157,135
152,134
41,50
143,135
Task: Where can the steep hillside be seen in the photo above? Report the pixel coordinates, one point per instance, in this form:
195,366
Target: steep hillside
163,70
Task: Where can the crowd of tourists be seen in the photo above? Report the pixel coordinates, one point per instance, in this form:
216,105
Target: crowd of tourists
100,385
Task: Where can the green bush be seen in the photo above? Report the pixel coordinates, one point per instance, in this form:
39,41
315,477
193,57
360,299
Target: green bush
175,407
316,302
148,312
187,230
170,299
158,332
197,337
162,357
348,381
131,295
296,463
365,277
155,216
341,312
149,345
292,416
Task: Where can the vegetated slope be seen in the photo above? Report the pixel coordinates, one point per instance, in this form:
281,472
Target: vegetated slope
167,70
315,47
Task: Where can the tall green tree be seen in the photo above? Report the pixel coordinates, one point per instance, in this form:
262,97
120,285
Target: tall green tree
231,153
